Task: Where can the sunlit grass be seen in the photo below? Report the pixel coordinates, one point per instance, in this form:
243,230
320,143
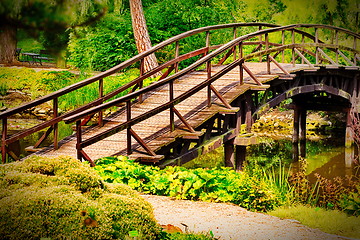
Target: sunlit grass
329,221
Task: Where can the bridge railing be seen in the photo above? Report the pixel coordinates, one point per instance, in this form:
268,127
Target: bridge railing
209,53
206,62
170,65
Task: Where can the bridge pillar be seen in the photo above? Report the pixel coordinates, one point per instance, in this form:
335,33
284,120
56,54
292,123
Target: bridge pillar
302,131
229,154
349,136
295,135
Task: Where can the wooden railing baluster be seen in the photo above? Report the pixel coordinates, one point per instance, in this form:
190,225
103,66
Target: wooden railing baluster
3,139
101,94
56,125
128,129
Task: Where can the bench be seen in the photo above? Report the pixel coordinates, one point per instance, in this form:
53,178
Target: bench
45,55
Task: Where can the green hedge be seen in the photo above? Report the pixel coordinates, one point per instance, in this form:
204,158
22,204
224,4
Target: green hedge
62,198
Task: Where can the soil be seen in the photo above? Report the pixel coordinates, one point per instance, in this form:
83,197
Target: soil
229,221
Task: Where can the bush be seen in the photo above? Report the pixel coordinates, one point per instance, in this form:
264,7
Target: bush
215,185
62,198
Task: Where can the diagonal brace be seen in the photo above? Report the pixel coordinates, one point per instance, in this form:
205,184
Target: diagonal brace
142,143
221,98
251,74
183,120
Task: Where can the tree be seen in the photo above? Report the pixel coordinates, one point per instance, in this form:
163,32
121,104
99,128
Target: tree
141,33
50,18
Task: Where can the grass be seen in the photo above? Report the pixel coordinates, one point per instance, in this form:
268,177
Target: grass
329,221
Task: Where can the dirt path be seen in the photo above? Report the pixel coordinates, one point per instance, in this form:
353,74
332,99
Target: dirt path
228,221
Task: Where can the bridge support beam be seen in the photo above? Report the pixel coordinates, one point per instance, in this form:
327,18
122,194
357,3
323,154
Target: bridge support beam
229,153
299,132
295,135
349,136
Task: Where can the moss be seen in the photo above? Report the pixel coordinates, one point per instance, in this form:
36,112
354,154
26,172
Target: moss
62,198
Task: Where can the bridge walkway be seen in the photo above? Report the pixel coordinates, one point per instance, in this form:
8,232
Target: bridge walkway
155,131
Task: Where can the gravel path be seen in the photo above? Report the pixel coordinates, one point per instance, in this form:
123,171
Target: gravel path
228,221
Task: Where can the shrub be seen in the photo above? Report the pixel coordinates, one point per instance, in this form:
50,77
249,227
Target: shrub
62,198
215,185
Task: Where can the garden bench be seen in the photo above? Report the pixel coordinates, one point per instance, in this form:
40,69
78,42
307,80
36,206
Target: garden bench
45,55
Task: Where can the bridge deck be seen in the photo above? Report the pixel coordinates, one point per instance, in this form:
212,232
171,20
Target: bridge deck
155,131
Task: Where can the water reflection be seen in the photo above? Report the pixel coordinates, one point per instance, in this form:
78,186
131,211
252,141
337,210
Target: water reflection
326,157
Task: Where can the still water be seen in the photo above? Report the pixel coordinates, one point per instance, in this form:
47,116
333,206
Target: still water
325,156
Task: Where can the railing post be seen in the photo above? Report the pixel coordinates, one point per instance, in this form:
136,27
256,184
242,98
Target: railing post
234,50
56,125
3,139
283,43
267,55
207,41
260,43
171,89
101,94
142,69
176,55
208,68
337,46
241,73
316,49
302,41
78,139
355,49
128,129
293,42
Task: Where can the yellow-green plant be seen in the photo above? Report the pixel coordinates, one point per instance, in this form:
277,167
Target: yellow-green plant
62,198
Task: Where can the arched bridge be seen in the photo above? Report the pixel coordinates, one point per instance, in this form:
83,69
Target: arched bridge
206,94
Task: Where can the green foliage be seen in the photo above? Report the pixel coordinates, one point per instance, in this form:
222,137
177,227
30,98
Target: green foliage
62,198
38,84
107,43
330,221
215,185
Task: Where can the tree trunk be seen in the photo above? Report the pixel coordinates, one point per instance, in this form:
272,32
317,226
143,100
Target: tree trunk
8,43
141,34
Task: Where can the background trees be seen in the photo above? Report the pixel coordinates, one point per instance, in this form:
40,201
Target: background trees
48,19
101,44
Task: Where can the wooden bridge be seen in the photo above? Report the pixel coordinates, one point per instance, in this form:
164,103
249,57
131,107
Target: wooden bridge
205,95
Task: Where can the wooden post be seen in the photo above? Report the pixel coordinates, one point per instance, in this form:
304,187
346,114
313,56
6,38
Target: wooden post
349,137
229,154
101,94
176,55
267,56
240,156
260,40
337,46
234,49
316,49
56,125
293,42
142,70
283,43
172,122
248,114
302,130
295,137
128,129
78,139
3,139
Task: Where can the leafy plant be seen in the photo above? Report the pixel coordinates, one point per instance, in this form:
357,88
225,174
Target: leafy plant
215,185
